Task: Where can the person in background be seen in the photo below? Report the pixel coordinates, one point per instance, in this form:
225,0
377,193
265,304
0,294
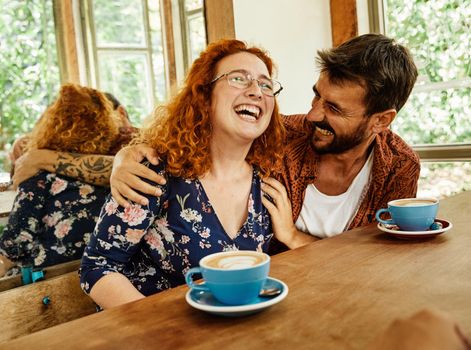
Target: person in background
342,162
89,168
216,139
53,215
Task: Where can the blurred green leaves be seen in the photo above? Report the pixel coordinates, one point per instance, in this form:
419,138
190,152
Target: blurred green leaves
29,72
438,33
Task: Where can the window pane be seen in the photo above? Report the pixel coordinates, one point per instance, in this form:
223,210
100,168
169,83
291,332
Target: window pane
119,22
444,179
437,33
127,77
440,116
193,5
197,35
29,72
158,60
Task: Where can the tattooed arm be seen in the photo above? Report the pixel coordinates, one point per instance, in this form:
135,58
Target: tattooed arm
91,168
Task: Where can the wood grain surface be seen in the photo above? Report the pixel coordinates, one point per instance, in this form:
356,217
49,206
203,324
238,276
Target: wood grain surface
23,310
343,292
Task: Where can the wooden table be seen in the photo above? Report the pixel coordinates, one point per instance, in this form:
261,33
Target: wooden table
343,292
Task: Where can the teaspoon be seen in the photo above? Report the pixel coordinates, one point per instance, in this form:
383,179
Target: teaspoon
269,292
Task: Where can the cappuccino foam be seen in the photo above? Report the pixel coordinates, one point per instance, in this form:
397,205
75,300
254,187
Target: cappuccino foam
414,203
235,262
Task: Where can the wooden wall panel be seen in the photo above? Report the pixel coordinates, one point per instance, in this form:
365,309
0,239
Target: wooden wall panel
343,14
169,46
67,49
219,15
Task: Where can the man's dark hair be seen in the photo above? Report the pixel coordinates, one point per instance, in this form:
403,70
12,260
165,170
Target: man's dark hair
384,68
113,100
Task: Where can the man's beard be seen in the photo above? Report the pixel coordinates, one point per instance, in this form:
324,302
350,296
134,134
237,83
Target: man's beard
343,143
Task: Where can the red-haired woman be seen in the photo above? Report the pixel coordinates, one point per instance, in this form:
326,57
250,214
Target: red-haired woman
53,216
216,139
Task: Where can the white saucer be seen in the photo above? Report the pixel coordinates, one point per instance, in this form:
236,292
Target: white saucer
205,301
395,231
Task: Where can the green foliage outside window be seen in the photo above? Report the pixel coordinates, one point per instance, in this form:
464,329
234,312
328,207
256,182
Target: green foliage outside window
438,33
29,72
119,22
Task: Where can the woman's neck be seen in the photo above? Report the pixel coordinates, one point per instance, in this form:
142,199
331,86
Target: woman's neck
229,161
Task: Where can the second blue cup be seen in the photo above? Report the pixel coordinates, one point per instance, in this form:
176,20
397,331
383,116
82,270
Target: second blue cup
410,214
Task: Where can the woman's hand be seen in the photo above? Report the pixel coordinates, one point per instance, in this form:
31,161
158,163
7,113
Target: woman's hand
127,170
280,211
30,163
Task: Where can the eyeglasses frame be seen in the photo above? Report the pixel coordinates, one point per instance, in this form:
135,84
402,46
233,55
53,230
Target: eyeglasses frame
249,76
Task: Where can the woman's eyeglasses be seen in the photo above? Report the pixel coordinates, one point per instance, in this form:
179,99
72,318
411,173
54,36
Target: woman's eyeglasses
242,79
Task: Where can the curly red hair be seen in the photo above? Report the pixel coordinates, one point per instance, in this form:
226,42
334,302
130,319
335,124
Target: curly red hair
80,120
181,131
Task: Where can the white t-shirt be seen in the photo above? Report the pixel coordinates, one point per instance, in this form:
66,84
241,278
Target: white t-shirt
326,216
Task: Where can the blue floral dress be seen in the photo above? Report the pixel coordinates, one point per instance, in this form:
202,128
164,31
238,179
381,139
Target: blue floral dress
154,245
51,220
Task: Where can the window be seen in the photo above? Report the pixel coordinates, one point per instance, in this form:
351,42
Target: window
436,118
136,51
195,34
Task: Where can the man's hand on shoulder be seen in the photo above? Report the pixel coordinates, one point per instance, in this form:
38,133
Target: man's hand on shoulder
127,172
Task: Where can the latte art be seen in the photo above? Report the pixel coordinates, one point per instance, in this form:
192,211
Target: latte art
235,262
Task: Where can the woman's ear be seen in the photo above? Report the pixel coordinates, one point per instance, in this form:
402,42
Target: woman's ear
382,120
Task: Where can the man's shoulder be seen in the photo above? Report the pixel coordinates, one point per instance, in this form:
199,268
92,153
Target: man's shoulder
293,119
392,145
296,126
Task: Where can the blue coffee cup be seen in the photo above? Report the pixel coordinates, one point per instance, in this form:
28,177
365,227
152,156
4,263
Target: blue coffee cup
234,277
410,214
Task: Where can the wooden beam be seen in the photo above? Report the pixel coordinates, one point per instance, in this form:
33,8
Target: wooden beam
343,14
169,43
66,43
219,17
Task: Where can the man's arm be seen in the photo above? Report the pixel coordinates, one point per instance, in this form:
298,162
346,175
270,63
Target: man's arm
91,168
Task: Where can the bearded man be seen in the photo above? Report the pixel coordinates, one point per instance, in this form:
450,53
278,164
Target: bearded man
342,161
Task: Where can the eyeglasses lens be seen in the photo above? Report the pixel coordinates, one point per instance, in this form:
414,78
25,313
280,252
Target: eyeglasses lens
242,81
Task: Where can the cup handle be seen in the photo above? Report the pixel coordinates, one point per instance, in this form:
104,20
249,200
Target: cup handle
384,222
191,283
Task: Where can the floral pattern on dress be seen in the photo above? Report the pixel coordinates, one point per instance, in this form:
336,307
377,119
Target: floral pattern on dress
51,220
155,245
